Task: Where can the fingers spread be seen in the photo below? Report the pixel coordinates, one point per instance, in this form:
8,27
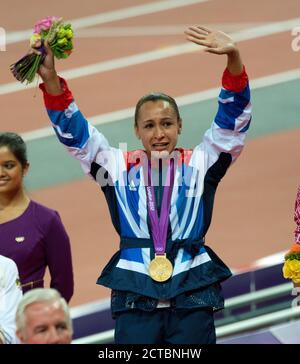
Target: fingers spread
196,40
194,34
197,30
207,30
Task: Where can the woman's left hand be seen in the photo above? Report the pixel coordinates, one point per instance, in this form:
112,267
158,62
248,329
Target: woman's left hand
215,41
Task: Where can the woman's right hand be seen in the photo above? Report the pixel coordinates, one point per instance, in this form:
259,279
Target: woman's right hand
47,70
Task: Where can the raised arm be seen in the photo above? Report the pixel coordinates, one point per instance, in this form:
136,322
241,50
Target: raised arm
49,75
217,42
227,132
81,139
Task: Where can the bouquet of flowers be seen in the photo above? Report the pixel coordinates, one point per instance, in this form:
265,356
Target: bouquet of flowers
291,267
59,36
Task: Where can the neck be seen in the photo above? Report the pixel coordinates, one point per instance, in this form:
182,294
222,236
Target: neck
13,199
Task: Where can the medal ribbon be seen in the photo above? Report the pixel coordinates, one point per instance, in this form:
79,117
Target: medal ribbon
159,226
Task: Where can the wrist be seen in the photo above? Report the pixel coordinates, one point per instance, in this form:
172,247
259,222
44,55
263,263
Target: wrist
234,52
234,62
51,76
233,57
52,84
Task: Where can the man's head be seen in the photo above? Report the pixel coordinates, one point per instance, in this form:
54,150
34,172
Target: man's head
43,317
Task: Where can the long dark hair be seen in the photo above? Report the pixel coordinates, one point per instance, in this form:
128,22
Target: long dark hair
16,145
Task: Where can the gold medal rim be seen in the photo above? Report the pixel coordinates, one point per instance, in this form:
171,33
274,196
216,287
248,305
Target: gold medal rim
152,270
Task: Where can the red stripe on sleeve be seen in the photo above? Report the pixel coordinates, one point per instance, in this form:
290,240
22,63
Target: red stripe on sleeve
234,83
57,102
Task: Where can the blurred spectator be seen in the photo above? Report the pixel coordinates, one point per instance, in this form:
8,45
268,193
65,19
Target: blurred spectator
32,235
43,317
10,295
297,217
297,231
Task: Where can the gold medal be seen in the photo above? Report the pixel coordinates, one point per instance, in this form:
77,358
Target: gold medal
160,268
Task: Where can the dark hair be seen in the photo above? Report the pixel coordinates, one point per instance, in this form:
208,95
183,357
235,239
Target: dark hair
16,145
155,96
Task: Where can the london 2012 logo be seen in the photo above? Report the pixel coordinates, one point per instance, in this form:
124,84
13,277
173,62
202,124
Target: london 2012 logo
296,300
296,40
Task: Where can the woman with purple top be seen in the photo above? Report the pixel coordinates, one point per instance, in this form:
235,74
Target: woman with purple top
32,235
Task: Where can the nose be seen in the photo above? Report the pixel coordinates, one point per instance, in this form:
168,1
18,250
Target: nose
2,172
159,132
53,336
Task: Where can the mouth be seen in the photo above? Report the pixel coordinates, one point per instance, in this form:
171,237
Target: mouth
160,146
3,182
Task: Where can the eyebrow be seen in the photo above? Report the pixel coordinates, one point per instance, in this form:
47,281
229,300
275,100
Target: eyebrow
163,119
46,326
39,327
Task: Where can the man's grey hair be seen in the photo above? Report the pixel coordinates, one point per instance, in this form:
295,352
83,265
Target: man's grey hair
40,295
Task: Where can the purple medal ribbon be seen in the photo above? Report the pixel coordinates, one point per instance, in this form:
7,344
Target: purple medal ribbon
159,226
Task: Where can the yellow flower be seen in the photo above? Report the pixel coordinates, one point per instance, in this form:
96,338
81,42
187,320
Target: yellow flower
69,33
61,33
62,42
291,269
296,279
286,270
294,265
35,39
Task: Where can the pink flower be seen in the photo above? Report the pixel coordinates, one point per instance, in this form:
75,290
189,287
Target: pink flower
44,24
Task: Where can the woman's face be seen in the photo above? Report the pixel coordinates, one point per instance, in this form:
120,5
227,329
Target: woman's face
11,172
158,127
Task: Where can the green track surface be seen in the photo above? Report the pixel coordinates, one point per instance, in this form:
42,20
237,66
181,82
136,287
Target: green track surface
275,109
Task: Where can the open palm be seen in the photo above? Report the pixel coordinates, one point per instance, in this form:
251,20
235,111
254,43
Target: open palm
215,41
